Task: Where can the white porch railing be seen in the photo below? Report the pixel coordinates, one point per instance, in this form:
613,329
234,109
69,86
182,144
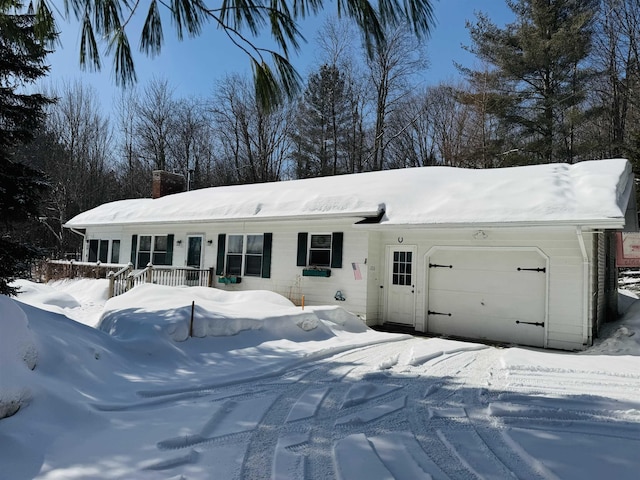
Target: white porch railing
125,277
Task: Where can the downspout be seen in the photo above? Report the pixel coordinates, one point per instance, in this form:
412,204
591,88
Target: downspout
585,300
84,239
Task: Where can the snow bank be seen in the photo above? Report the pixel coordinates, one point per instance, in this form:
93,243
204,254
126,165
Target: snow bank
161,311
18,356
81,299
623,336
45,295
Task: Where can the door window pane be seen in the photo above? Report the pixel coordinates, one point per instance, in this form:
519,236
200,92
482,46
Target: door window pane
401,268
194,252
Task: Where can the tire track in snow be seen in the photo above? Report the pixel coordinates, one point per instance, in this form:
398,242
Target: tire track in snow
413,410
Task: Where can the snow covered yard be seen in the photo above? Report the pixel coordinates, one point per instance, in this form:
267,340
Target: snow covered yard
266,390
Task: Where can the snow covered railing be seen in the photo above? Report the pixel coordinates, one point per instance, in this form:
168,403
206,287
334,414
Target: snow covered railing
59,269
118,281
125,279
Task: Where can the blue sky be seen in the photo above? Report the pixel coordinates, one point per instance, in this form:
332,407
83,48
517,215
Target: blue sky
193,65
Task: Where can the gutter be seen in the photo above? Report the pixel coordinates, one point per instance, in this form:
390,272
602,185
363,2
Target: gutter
78,232
295,218
616,223
585,278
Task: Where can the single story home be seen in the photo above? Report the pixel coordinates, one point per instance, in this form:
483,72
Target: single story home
522,255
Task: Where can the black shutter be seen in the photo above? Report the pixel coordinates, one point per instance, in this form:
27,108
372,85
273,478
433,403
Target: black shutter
302,249
267,240
169,259
222,240
336,250
134,248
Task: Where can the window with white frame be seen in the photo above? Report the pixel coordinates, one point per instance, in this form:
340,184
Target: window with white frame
99,251
154,249
247,254
244,255
253,255
320,249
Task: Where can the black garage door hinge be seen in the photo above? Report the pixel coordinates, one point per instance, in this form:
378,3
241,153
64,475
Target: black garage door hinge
537,324
543,269
438,313
435,265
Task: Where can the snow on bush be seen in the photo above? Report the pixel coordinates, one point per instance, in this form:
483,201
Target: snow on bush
18,355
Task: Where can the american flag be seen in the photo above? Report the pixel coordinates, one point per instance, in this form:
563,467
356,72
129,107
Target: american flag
356,271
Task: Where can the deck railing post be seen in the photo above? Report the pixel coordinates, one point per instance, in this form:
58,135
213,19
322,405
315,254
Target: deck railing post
111,276
212,275
149,278
130,281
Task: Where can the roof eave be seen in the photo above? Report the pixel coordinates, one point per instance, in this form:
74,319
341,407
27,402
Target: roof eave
605,224
281,218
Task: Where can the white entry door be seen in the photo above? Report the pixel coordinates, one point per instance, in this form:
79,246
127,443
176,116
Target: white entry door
400,286
490,294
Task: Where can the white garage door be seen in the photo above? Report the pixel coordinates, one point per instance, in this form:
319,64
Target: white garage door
488,294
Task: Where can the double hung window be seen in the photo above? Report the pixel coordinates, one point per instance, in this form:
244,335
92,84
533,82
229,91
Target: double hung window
320,249
154,249
244,255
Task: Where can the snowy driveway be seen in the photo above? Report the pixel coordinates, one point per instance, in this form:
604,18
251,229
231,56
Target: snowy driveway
307,395
417,408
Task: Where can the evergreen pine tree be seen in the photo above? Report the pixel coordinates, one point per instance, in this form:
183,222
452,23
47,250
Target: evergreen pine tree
538,61
22,55
322,125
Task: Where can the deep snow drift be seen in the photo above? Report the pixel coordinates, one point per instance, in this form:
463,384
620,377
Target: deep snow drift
262,389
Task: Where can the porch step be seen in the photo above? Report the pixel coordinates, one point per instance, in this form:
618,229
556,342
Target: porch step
395,328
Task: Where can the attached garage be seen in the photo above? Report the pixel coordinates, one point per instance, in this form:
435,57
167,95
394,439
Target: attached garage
493,294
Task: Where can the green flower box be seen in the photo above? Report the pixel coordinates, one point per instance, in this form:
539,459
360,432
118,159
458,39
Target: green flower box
316,272
227,280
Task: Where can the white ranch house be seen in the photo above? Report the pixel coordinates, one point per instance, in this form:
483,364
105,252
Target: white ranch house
521,255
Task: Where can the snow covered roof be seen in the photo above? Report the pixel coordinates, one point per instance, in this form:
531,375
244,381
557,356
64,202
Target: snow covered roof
592,193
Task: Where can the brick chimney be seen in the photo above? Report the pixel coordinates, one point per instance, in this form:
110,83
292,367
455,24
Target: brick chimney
166,183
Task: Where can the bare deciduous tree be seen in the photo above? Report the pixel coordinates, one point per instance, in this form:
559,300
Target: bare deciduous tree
390,71
254,142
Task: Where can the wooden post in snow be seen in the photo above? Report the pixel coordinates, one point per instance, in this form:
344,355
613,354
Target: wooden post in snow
193,307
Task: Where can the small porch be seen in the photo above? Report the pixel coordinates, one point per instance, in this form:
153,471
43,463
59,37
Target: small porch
123,277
